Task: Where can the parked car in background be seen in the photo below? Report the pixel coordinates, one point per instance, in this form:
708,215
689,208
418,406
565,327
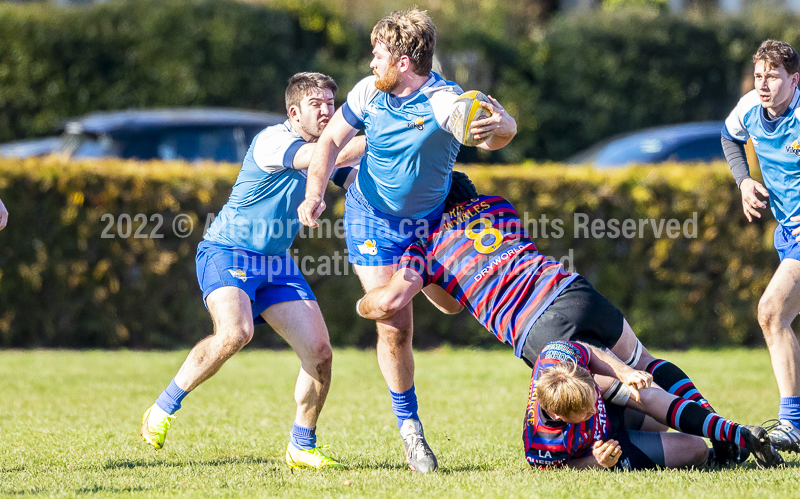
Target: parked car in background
191,134
686,142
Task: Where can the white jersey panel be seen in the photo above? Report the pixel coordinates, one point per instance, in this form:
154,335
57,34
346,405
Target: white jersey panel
734,124
274,148
362,95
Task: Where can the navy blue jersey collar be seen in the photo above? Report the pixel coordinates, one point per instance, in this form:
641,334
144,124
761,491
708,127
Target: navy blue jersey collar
396,102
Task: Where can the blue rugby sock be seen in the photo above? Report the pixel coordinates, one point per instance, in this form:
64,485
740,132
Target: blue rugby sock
303,438
790,410
170,399
404,405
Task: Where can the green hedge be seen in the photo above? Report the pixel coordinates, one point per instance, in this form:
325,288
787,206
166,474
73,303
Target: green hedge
57,63
571,83
63,285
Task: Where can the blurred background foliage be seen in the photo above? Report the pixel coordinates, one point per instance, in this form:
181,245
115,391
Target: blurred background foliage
63,284
570,80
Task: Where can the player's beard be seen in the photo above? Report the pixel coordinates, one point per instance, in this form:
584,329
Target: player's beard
389,81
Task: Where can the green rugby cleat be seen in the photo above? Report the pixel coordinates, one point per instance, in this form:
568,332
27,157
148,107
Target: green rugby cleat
156,434
312,458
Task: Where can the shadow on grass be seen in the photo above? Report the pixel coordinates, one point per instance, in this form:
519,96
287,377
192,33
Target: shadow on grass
151,463
84,490
400,466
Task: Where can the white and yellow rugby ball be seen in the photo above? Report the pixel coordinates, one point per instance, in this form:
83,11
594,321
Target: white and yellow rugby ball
466,110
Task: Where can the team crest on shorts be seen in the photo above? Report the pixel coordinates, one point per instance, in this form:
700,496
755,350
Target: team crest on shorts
418,123
239,274
368,248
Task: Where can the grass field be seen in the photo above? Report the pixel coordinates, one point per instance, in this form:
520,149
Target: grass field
69,423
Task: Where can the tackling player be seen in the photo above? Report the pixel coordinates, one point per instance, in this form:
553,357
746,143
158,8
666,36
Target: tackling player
480,257
248,277
769,115
404,177
3,215
567,423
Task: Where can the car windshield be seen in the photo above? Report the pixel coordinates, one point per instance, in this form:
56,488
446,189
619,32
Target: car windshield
634,149
227,144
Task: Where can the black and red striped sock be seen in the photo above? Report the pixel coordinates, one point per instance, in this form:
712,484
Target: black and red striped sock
672,379
689,417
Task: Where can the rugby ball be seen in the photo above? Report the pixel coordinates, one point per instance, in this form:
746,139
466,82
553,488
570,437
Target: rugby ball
466,110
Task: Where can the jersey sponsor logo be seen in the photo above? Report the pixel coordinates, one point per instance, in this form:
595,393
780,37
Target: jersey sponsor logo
239,274
418,123
368,248
545,462
794,148
600,429
498,261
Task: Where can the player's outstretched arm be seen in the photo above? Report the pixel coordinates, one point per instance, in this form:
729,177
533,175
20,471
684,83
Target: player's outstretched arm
500,127
3,215
350,154
384,301
606,364
333,139
442,300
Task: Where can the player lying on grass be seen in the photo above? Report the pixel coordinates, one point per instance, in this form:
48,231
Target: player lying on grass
248,277
568,423
479,257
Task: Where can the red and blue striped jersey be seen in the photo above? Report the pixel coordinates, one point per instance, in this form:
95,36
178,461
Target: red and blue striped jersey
481,255
550,442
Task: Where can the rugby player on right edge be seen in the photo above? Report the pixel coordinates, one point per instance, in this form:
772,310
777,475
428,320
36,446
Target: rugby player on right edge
480,257
769,115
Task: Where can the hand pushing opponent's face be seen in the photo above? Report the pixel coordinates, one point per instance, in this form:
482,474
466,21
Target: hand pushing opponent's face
314,112
775,87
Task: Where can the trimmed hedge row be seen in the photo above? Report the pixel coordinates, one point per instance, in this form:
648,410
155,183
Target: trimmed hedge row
60,62
63,284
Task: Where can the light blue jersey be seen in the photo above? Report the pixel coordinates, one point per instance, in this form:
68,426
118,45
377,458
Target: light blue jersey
777,145
261,213
410,147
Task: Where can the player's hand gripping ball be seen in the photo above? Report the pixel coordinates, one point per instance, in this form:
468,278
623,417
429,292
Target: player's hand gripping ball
466,110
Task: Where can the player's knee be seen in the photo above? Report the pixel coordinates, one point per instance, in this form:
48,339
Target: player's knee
390,304
240,336
322,354
698,452
769,315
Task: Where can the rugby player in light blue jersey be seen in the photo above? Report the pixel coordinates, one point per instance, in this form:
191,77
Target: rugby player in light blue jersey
248,277
404,177
770,116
